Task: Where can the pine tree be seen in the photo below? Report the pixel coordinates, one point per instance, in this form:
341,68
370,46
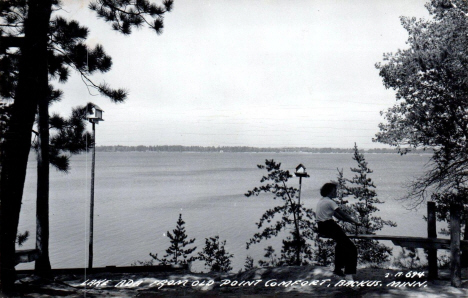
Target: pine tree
290,215
249,263
177,253
362,188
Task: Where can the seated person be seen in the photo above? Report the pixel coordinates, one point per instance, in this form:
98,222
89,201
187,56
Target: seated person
345,250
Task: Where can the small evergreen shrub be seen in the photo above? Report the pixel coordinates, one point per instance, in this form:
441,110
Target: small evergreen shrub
215,256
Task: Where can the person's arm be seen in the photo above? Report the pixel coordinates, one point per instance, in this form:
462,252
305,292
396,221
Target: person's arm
340,214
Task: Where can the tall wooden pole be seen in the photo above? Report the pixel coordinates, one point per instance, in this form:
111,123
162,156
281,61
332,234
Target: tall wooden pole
300,186
91,210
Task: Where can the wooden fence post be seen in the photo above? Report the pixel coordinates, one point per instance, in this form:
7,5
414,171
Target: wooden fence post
432,233
455,266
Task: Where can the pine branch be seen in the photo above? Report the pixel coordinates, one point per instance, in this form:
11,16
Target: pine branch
123,15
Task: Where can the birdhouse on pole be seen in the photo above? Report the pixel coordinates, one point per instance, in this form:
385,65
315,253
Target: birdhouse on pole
96,115
301,171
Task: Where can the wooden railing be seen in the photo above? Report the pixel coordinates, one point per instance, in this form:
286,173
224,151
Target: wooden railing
414,242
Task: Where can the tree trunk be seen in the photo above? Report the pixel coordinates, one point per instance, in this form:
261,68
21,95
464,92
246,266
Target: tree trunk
32,85
464,256
42,265
297,235
432,233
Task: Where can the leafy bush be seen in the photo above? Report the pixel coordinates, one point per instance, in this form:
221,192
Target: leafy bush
408,259
271,258
215,255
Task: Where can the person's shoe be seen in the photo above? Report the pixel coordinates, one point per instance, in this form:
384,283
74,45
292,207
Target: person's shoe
338,272
349,277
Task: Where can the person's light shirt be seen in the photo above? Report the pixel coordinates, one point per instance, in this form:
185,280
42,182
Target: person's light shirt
325,209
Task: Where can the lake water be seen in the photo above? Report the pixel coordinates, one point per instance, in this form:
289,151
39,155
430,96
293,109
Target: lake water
139,196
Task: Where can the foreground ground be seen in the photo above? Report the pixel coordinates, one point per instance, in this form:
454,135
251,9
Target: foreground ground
304,281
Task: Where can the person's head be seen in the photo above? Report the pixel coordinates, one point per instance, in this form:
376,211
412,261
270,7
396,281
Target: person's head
329,190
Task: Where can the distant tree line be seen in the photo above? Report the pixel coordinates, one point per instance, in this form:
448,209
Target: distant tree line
180,148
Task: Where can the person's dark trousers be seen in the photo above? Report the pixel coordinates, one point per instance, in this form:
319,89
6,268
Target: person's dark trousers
345,251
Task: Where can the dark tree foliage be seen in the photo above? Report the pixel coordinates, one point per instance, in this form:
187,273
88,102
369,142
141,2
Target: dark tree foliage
8,75
4,117
177,253
125,14
271,259
21,238
289,215
68,137
215,255
68,51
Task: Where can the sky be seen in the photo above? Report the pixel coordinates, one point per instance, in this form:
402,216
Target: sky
263,73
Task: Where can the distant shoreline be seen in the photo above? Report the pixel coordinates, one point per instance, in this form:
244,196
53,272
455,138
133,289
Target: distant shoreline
245,149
